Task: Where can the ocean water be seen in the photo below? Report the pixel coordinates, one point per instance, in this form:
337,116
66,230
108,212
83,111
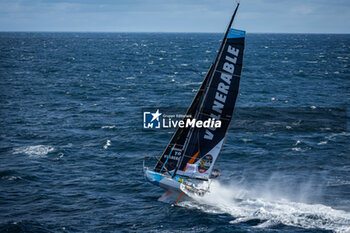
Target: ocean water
72,143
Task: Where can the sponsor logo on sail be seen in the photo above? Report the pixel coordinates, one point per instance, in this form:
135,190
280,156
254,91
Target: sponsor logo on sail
222,91
205,163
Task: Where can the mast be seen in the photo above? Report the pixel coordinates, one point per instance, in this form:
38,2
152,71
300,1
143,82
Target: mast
226,33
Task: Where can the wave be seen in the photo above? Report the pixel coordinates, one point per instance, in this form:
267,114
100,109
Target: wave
108,143
10,178
38,151
24,226
108,127
9,175
245,205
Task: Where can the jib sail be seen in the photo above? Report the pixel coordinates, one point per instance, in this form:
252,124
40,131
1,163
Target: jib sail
173,152
192,152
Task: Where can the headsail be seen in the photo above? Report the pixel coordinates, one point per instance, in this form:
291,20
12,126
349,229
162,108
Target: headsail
173,152
193,151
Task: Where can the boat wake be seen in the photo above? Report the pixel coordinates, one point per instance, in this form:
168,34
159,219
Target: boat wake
246,206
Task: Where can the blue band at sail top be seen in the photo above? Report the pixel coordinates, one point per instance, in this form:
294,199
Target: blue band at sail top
235,33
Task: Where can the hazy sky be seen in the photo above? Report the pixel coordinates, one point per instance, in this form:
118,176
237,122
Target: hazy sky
314,16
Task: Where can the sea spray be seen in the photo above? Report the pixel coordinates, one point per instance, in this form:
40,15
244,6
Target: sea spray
244,205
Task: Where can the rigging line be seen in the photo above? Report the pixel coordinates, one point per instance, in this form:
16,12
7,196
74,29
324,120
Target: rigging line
166,148
162,163
167,158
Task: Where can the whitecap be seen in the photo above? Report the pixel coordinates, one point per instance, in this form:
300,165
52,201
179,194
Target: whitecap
38,151
268,223
297,142
108,127
60,156
343,58
297,149
334,136
246,140
11,178
108,143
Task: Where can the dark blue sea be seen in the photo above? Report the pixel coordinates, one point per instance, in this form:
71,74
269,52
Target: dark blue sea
72,142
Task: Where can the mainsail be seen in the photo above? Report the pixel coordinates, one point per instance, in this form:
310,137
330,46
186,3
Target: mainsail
192,152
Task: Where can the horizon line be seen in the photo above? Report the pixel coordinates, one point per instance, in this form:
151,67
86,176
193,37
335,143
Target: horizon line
340,33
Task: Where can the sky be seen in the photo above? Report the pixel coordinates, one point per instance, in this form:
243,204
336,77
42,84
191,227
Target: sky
262,16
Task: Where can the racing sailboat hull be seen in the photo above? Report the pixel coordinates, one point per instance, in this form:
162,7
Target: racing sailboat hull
164,181
176,186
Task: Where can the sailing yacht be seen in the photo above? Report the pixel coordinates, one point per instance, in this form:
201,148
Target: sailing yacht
187,163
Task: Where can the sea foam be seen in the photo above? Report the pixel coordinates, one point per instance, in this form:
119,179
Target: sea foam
245,205
38,151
